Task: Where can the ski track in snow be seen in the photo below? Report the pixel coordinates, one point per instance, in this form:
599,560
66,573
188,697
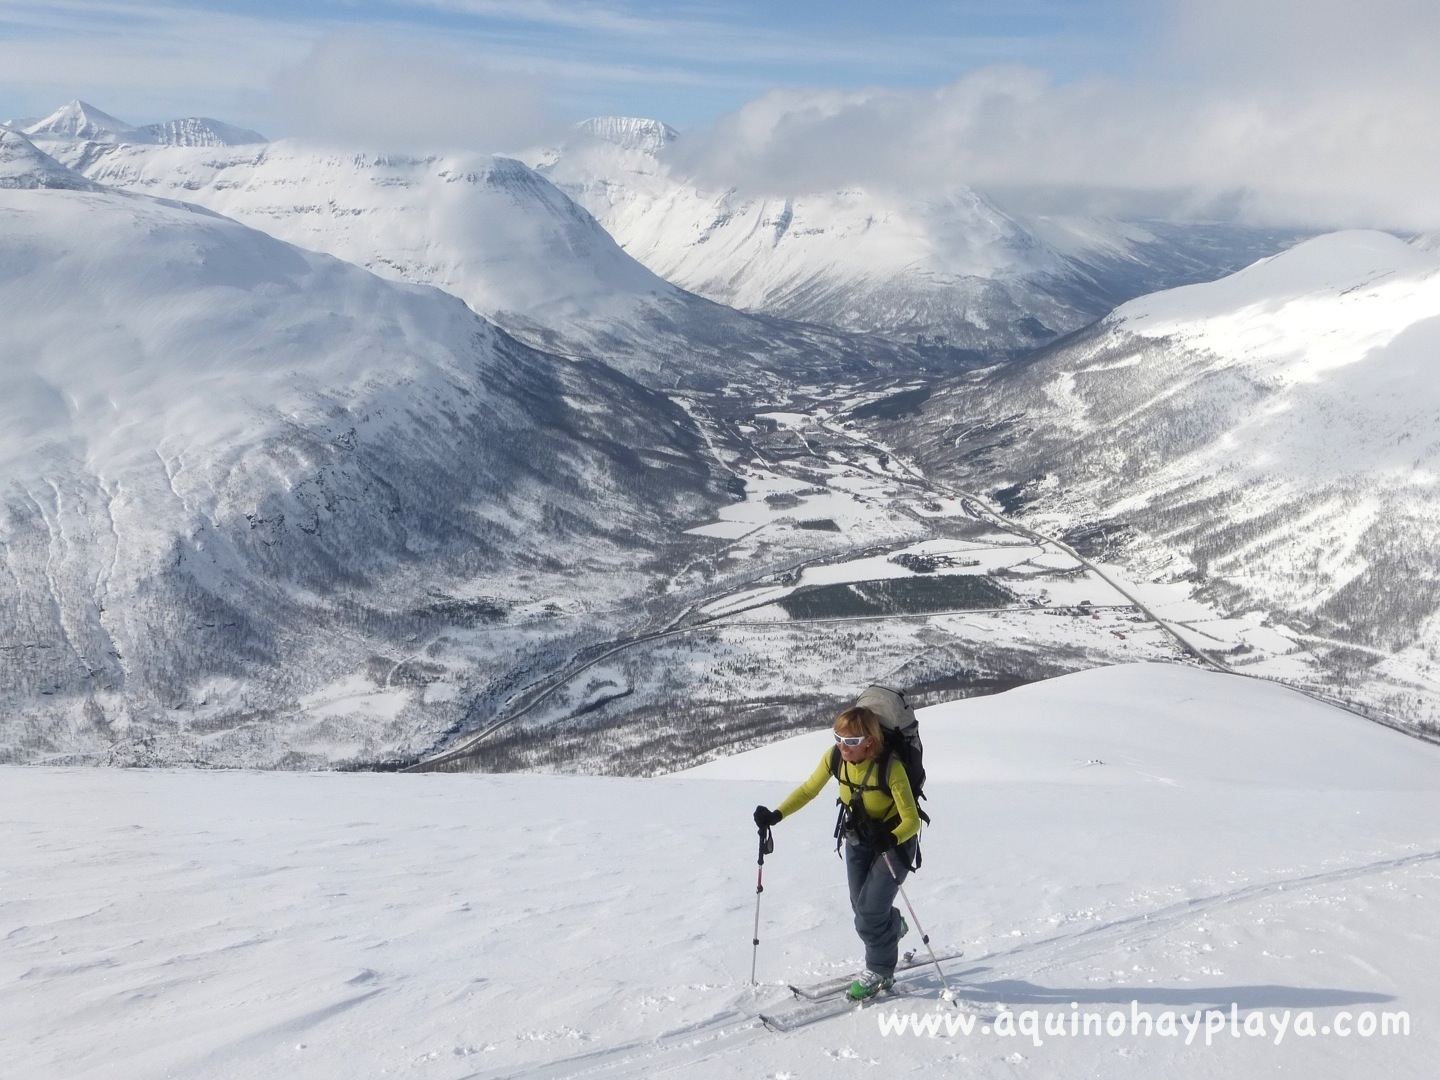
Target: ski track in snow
1153,833
1007,973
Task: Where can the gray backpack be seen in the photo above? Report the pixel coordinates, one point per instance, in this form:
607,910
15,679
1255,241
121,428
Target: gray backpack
902,733
902,741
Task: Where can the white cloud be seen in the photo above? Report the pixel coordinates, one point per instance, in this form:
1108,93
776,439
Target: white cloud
1290,44
1316,113
390,93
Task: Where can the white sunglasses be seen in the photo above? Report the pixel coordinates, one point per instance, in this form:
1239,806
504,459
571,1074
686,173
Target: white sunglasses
851,740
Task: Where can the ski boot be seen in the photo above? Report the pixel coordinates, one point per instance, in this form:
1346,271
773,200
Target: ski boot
868,985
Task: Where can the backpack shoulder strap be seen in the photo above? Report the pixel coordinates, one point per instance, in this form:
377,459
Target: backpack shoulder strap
879,768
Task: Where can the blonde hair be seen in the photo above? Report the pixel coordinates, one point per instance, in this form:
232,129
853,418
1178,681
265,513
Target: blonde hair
858,720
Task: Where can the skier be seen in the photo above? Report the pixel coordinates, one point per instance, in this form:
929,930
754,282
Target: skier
878,830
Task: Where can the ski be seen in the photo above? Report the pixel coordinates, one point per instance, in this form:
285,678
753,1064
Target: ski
911,961
799,1016
811,1012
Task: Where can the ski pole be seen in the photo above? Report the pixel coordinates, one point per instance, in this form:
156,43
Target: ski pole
767,845
949,994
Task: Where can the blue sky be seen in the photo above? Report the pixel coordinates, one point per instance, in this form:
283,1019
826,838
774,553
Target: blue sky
684,62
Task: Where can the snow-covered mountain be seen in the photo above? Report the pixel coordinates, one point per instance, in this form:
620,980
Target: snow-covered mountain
79,122
242,483
200,131
501,237
1275,434
24,165
952,267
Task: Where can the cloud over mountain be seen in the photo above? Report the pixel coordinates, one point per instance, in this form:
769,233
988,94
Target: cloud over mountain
1277,112
394,94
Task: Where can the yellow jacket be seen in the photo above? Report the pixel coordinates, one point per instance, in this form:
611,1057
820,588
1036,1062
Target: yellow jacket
878,804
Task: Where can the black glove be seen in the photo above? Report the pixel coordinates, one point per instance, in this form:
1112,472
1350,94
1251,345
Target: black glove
765,817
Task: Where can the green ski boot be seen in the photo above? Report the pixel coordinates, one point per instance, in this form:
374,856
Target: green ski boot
868,985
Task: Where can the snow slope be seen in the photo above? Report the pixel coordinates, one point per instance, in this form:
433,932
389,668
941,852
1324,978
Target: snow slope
240,481
24,165
1149,834
496,234
947,264
1277,432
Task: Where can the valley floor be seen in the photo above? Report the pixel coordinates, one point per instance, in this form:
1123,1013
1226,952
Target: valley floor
1148,834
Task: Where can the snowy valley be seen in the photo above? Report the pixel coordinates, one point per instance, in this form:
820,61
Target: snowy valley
716,556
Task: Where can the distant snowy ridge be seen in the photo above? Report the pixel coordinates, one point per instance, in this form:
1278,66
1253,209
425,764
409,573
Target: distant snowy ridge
1276,433
500,236
630,132
948,265
201,131
822,257
243,486
79,122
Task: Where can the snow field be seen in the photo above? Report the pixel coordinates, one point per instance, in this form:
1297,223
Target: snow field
1238,843
860,505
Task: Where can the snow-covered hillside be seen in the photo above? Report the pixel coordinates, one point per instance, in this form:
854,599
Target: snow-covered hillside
1144,840
1276,434
950,267
498,235
486,229
24,165
258,505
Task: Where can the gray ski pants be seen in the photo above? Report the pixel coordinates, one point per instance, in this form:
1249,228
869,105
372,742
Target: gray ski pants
872,898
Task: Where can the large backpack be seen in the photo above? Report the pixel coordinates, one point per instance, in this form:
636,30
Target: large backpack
902,741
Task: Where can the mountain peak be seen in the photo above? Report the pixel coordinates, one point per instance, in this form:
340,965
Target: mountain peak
24,165
630,132
82,122
79,120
